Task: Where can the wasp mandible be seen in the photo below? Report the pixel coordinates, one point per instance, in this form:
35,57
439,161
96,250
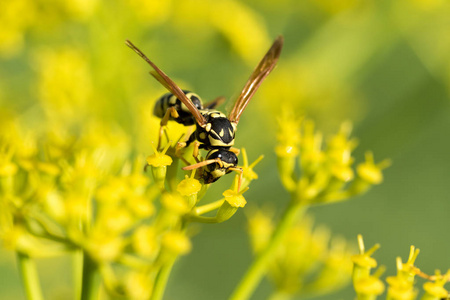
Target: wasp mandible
215,132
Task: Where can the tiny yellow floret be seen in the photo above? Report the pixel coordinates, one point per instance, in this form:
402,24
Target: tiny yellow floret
8,169
145,242
369,286
234,199
189,186
175,203
286,150
159,160
176,242
371,172
435,289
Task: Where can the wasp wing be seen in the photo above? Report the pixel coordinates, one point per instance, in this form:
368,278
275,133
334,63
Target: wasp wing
170,85
261,71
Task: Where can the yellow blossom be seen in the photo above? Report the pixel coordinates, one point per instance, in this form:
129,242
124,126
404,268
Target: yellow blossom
8,168
175,203
189,186
260,228
140,206
112,191
235,199
176,242
103,247
114,219
138,285
145,241
369,286
371,172
159,159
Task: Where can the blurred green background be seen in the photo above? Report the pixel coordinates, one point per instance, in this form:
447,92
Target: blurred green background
384,65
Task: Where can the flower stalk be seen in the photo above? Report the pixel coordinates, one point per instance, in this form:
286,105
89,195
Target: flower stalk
90,279
30,277
259,266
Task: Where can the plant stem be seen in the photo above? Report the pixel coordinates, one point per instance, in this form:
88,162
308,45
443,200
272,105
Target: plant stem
257,270
162,278
277,295
200,210
30,277
171,175
89,285
77,271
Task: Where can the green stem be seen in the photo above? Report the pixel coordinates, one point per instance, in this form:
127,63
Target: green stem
257,270
200,210
90,280
277,295
171,175
200,219
77,271
161,279
30,277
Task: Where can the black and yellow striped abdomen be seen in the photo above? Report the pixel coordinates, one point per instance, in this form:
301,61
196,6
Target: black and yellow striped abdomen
170,100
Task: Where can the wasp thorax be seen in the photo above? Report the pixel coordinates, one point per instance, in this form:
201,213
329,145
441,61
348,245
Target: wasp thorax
218,132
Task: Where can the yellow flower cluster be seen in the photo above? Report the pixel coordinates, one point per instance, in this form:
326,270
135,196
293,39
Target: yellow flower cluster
402,286
62,194
305,253
325,171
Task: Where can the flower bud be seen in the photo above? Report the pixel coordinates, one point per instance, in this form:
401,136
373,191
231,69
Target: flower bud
286,161
159,162
138,285
369,288
363,262
175,204
189,187
400,289
233,200
177,243
104,248
434,291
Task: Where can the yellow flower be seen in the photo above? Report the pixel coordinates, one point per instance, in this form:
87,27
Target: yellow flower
234,198
371,172
138,285
159,159
175,203
145,241
176,242
189,186
103,247
260,228
114,219
369,286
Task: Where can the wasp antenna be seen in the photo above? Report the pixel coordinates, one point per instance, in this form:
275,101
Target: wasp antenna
201,164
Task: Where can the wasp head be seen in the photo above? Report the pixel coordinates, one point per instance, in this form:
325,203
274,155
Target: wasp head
214,171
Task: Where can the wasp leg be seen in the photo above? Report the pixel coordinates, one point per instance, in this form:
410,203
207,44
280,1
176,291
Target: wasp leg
170,112
235,150
241,172
195,153
188,141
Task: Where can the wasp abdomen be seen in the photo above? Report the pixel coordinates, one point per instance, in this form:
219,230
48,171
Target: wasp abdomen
170,100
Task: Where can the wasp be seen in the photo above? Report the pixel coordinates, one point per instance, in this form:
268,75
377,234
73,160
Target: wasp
215,131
